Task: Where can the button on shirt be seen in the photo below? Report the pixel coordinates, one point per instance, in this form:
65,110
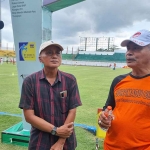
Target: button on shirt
52,103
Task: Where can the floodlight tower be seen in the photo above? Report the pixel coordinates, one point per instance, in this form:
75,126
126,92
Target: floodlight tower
0,30
1,23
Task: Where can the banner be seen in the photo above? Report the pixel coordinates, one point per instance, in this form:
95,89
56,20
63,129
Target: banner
32,25
27,29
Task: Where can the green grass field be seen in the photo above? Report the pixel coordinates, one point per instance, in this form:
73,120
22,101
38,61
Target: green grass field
93,82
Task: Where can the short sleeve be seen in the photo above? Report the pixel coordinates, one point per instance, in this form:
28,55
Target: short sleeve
26,99
74,95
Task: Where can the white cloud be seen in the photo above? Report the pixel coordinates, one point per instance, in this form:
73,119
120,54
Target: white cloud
91,18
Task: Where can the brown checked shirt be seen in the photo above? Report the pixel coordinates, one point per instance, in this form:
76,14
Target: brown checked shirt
51,103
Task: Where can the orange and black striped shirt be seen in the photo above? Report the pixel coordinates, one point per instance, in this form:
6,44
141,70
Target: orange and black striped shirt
129,97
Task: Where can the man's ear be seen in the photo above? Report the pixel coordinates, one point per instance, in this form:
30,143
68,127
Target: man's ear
40,59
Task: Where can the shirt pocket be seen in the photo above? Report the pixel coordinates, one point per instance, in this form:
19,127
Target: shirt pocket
64,104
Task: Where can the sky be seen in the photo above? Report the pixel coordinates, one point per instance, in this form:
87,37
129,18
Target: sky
90,18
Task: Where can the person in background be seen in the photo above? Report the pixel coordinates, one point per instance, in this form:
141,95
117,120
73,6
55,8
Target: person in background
129,97
10,60
114,66
1,61
13,61
49,100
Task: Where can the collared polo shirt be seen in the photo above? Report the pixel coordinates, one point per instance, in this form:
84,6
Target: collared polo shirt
51,103
129,97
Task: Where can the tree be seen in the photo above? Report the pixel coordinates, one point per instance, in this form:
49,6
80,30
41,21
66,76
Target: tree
113,47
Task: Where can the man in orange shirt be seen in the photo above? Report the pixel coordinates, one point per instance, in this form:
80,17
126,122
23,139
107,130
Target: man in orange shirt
129,97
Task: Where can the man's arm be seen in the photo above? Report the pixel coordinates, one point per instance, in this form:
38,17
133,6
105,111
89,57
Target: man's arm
37,122
64,131
45,126
70,118
74,103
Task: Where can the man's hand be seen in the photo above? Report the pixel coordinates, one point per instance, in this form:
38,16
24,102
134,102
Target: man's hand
65,131
103,121
59,144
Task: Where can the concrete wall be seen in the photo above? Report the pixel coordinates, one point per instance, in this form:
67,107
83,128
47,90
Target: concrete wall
88,63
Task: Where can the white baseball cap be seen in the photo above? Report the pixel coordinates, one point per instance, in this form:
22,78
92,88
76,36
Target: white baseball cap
49,43
141,38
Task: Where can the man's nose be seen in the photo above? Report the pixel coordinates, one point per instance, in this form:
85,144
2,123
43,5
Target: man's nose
129,52
54,54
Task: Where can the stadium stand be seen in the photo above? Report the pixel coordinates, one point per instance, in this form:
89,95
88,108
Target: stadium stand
116,57
80,56
67,56
7,53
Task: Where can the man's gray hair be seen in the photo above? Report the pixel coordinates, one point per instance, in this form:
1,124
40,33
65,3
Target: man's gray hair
148,46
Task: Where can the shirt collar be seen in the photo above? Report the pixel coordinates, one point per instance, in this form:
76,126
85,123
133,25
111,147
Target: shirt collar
59,75
42,75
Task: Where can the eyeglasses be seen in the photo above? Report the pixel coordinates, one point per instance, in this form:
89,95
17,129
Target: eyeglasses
51,53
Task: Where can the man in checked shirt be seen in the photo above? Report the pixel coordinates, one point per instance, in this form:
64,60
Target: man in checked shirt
49,99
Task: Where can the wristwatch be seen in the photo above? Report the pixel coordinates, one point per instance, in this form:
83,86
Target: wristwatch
53,132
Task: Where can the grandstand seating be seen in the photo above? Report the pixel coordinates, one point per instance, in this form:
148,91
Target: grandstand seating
116,57
7,53
67,56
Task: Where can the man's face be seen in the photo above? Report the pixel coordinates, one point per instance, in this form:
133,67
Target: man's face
51,57
137,56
